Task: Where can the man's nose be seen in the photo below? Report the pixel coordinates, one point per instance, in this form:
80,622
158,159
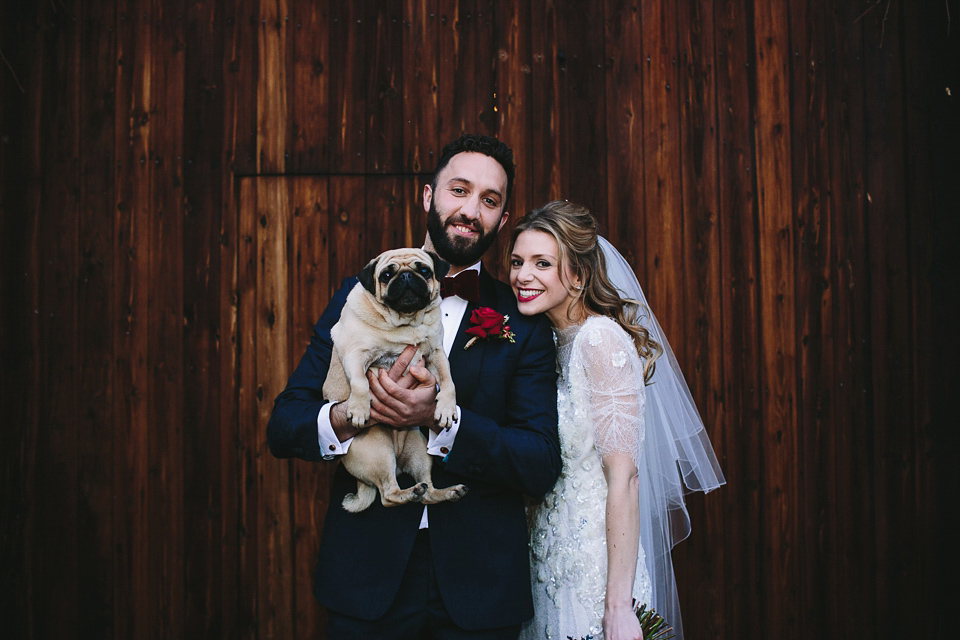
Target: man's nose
471,208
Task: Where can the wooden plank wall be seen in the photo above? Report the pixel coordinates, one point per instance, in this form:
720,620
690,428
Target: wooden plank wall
185,183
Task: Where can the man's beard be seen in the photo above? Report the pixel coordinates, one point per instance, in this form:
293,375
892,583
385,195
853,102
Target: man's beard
458,251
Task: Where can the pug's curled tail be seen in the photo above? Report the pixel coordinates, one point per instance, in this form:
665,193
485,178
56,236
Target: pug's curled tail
363,498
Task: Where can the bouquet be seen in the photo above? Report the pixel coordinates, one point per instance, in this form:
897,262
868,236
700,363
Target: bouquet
652,623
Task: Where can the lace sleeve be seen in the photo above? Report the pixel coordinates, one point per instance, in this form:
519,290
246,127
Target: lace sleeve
615,391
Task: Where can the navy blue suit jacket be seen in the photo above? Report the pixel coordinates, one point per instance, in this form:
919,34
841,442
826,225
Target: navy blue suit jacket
506,446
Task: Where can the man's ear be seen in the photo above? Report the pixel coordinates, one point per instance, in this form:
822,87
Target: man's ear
503,219
440,266
427,197
368,276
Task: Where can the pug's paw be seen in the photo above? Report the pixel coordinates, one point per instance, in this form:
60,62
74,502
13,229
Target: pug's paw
358,410
445,413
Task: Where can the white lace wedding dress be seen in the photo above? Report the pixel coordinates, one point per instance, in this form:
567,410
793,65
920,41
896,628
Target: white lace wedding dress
600,402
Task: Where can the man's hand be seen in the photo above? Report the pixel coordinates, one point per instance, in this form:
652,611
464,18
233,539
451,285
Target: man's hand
403,397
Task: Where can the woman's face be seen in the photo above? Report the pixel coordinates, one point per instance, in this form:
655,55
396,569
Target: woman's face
540,282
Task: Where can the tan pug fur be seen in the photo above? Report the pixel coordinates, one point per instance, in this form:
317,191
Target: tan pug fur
395,304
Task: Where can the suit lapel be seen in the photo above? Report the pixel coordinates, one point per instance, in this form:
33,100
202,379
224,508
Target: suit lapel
466,364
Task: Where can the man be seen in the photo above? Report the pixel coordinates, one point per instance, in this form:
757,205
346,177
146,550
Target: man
455,569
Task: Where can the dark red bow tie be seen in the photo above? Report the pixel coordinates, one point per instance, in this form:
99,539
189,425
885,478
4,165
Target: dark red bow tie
465,284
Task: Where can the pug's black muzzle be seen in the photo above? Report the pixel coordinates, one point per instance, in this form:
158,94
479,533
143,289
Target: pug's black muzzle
407,293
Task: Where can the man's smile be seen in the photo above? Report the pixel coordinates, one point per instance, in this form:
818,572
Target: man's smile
463,229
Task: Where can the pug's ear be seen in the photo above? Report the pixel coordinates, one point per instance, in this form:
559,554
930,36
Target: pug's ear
440,267
368,276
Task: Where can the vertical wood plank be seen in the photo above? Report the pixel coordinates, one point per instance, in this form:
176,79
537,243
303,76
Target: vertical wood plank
775,255
661,148
20,345
272,326
544,89
96,319
131,282
513,104
580,109
448,55
385,128
165,494
624,135
272,87
414,217
897,583
853,511
420,82
466,40
228,343
348,229
248,427
384,204
310,89
349,51
243,66
203,206
55,497
312,287
931,129
814,306
699,562
739,352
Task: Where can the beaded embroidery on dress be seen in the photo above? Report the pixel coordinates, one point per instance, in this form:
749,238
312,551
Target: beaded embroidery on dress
600,402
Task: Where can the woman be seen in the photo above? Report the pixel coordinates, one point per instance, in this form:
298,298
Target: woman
602,538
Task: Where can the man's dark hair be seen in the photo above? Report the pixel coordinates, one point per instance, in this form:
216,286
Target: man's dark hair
486,145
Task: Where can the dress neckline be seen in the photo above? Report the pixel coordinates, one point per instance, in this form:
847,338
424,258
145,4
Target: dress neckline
566,335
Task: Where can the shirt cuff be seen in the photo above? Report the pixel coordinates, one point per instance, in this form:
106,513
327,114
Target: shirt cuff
330,445
440,444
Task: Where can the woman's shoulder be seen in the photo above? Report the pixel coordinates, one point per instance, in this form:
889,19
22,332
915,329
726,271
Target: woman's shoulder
602,329
606,351
602,334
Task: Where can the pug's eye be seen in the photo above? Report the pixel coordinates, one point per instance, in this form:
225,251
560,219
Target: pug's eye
425,271
386,274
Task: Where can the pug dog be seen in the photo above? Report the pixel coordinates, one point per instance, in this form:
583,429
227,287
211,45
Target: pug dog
395,304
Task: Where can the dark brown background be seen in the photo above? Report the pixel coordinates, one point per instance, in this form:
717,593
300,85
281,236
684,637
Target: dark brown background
185,183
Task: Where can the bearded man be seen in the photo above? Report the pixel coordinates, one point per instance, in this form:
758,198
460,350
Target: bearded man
454,570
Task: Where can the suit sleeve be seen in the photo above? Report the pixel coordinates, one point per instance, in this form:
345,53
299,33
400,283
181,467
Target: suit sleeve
292,429
520,449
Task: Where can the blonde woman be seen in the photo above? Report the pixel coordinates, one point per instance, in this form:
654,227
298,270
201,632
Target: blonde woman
630,437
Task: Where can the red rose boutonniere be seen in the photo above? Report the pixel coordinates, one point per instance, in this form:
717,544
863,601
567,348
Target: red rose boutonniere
487,323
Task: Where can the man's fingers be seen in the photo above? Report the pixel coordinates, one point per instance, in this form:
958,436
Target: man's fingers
423,376
406,357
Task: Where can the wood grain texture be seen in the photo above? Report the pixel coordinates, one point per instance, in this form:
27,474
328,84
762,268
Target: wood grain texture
183,185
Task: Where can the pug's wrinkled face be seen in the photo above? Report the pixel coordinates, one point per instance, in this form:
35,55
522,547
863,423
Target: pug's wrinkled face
405,280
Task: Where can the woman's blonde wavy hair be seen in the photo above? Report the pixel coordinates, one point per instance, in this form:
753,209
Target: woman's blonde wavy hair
575,230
